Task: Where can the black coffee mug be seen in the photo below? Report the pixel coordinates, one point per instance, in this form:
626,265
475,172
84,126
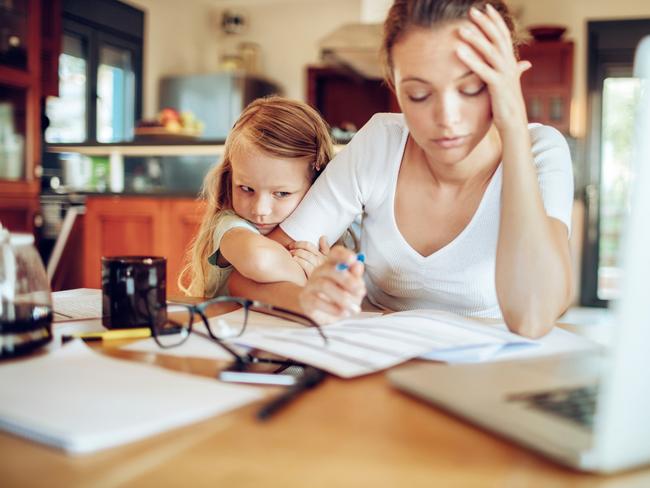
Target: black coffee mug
133,291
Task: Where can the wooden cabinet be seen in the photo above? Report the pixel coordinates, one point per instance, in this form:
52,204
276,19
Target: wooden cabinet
115,226
21,91
547,85
343,98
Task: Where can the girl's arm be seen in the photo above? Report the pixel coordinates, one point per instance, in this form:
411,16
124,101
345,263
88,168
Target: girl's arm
260,259
533,272
329,294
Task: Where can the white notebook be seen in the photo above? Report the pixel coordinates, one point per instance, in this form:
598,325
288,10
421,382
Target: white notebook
82,401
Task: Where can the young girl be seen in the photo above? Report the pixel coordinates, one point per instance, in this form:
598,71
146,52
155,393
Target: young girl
467,207
273,154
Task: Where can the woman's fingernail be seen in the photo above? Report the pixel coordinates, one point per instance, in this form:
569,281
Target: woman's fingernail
462,51
354,308
475,11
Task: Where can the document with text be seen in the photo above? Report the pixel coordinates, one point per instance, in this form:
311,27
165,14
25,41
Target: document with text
363,346
78,304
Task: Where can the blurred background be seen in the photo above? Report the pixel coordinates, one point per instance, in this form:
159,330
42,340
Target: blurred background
112,111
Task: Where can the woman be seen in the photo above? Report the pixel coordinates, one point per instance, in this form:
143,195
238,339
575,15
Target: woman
465,206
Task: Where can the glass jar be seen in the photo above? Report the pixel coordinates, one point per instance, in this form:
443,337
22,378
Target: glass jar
25,298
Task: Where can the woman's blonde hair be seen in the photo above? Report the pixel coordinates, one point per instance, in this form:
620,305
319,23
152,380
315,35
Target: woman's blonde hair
276,126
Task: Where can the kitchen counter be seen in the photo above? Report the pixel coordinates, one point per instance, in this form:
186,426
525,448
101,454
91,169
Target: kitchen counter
183,161
143,148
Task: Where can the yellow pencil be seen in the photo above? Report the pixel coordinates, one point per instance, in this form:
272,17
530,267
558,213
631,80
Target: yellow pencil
115,334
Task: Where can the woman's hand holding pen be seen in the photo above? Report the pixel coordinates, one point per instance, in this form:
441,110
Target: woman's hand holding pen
487,51
335,289
308,256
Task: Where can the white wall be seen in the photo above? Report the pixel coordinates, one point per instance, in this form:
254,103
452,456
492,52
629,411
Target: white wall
179,39
288,32
373,11
574,14
182,37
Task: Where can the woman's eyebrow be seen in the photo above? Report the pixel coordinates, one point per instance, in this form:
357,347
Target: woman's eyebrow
422,80
469,73
415,78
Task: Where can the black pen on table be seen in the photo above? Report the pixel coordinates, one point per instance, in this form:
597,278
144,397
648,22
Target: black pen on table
311,378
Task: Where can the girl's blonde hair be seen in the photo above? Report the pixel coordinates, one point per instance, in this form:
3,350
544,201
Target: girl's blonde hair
276,126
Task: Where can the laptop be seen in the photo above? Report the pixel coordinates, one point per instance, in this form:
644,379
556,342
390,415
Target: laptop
589,411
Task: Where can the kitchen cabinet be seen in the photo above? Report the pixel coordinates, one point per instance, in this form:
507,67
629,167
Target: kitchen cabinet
547,86
134,225
345,99
21,90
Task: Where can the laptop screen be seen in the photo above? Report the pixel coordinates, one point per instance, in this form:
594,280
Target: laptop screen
622,428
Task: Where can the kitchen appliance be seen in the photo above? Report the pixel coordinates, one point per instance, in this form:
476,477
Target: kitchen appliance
216,99
25,299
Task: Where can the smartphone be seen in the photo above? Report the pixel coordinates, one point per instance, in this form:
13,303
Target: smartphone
264,373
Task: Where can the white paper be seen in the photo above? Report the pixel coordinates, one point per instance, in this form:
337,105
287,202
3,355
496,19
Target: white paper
71,328
82,401
198,346
558,341
358,347
82,303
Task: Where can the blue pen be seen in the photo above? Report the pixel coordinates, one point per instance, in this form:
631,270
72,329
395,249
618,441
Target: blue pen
342,266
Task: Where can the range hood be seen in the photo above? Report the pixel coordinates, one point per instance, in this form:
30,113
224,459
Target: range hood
354,47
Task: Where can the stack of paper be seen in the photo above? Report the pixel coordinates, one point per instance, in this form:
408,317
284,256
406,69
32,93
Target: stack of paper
79,304
358,347
373,342
82,401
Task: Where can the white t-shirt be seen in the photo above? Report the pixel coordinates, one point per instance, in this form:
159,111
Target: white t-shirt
458,278
218,278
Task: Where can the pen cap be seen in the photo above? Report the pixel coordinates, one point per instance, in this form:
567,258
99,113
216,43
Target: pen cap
133,291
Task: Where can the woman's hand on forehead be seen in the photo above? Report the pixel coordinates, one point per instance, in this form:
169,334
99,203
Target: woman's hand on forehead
487,50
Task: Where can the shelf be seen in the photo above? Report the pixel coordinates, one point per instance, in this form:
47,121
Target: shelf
20,188
14,77
134,149
208,149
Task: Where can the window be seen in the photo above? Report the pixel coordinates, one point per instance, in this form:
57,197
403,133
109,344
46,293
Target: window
115,94
613,94
67,112
100,73
620,96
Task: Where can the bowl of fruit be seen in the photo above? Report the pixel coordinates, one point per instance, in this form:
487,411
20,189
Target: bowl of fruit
170,124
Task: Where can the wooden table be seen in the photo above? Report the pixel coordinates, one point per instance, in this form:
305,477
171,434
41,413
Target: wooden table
358,432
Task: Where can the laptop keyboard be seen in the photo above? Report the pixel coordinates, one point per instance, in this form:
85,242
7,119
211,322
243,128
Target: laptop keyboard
575,404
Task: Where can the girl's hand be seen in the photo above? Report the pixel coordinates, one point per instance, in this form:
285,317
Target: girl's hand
331,294
308,256
487,51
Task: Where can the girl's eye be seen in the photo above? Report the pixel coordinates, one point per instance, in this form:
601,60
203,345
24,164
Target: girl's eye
281,194
472,91
246,189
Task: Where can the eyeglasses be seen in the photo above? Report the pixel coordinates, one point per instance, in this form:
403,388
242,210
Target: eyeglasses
172,328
